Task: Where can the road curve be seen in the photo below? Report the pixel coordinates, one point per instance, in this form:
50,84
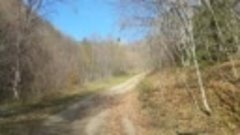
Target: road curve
90,116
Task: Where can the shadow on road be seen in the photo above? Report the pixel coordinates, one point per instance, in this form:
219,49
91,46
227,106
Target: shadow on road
61,124
75,116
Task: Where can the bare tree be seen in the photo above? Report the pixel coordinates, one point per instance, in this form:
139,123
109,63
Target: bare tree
173,20
25,22
36,60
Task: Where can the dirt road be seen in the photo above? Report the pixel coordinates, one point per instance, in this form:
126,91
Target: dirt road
108,113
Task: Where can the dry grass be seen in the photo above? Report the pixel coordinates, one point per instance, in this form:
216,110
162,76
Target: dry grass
171,100
128,107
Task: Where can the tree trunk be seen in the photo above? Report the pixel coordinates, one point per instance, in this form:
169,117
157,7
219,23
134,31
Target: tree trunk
16,80
234,69
187,23
17,72
200,82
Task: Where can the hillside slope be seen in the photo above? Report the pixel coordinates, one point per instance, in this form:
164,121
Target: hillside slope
171,101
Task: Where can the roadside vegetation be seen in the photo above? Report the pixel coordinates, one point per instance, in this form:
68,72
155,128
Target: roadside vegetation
193,50
171,102
15,114
42,71
39,62
191,47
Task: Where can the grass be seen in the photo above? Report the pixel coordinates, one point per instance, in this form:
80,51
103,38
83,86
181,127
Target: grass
171,101
107,83
24,119
14,112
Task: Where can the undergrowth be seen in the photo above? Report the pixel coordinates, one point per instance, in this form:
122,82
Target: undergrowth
172,101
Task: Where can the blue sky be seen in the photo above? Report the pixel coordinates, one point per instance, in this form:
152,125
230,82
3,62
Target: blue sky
90,18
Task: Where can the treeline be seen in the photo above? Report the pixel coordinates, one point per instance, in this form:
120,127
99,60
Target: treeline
192,34
181,31
37,61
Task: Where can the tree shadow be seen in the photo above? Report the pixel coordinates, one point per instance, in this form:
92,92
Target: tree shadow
60,124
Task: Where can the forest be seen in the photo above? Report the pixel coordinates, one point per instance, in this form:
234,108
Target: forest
183,73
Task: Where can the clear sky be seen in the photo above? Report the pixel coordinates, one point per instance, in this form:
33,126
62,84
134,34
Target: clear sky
89,18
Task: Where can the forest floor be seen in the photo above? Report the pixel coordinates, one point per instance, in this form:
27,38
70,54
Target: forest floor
172,104
112,112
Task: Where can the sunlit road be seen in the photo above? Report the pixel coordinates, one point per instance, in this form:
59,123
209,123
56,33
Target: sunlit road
91,116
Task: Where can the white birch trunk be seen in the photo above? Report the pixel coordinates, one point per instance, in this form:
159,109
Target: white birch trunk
17,73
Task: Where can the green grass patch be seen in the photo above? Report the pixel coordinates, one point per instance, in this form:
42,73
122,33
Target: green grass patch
100,85
21,118
51,105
